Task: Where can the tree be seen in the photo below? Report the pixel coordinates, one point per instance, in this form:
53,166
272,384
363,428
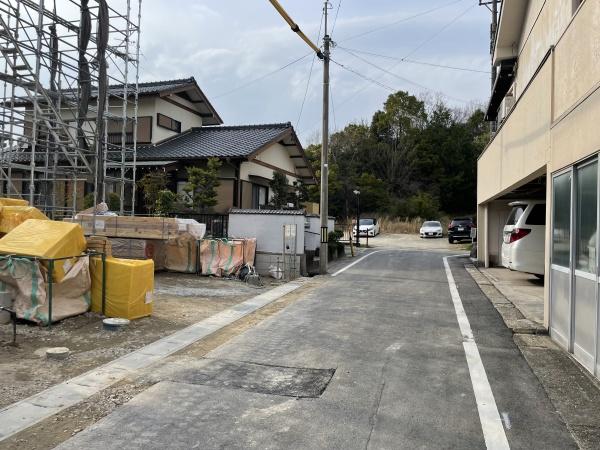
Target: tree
280,188
114,202
151,184
165,202
201,188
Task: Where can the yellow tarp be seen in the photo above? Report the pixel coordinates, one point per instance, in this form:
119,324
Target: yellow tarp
12,216
129,287
13,202
46,239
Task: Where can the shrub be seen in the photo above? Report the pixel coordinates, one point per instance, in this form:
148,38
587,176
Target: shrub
114,202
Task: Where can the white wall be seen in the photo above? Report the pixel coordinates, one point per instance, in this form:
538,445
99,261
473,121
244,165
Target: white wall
267,229
276,155
187,119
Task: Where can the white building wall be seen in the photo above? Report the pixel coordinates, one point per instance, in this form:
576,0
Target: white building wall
267,229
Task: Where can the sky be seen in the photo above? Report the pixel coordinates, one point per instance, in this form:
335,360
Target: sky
227,45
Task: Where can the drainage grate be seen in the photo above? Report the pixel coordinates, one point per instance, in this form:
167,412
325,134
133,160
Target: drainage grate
262,378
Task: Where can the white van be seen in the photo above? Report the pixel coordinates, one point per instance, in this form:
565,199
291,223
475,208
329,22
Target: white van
523,238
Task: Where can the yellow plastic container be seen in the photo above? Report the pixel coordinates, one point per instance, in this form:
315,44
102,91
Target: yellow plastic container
13,202
13,216
46,239
129,287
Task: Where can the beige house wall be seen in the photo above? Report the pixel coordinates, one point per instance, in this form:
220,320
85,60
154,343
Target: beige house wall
276,155
554,123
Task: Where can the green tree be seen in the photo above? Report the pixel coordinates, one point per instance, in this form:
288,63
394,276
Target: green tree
88,200
165,202
151,184
114,202
201,188
280,188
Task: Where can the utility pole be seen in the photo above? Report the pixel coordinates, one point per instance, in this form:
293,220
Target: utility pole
493,34
492,5
323,209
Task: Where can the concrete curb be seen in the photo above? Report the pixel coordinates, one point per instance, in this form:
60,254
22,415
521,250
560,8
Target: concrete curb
512,316
25,413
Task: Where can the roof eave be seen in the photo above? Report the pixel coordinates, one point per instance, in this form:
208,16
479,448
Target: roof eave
510,28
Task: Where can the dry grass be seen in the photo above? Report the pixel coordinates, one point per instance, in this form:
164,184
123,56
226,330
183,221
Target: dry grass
399,225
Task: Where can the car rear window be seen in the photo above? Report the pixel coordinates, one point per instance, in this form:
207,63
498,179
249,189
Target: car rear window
515,214
460,222
537,215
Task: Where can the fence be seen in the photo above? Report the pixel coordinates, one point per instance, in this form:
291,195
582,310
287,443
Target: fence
217,225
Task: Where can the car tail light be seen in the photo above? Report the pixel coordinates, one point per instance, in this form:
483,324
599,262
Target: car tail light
518,233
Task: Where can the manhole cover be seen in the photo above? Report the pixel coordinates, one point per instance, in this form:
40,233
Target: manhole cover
254,377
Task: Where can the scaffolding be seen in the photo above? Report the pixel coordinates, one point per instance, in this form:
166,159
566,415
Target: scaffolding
68,114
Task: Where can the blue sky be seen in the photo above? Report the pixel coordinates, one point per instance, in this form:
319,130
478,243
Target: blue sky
227,44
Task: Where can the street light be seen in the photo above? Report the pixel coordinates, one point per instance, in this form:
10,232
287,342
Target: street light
357,193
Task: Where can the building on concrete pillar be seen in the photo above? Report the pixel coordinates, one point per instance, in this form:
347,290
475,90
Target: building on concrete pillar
546,102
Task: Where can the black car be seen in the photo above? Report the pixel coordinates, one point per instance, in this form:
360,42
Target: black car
459,229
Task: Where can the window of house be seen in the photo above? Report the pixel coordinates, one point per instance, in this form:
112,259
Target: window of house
144,131
168,123
259,196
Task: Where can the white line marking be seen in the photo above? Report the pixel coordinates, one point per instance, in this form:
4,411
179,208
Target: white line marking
506,420
355,262
491,424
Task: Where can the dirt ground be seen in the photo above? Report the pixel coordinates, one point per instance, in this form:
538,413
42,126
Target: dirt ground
56,429
180,300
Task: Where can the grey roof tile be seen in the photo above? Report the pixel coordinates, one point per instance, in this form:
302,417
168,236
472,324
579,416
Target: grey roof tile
219,141
279,212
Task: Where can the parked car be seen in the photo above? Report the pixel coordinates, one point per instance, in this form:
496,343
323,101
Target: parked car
460,229
431,228
367,227
524,237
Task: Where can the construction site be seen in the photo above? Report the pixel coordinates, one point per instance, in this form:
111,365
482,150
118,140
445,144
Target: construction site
69,102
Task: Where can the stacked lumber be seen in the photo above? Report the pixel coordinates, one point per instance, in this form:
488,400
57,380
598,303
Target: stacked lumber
130,226
99,244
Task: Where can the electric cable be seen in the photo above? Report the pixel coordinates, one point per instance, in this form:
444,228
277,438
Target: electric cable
312,64
406,80
404,19
262,77
336,17
413,61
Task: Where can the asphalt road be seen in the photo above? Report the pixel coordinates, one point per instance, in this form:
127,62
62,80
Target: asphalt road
373,358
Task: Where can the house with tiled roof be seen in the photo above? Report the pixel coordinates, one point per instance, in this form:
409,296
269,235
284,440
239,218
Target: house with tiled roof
249,155
178,127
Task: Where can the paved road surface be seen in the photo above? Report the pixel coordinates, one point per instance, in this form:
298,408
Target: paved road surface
388,330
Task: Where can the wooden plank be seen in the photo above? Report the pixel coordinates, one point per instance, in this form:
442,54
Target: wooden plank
130,227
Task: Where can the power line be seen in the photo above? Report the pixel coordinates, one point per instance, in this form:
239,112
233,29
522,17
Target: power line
405,19
312,64
433,36
336,17
263,76
406,80
454,19
364,77
412,61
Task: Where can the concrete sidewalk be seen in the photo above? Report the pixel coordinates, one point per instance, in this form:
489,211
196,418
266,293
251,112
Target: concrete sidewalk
521,309
523,290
